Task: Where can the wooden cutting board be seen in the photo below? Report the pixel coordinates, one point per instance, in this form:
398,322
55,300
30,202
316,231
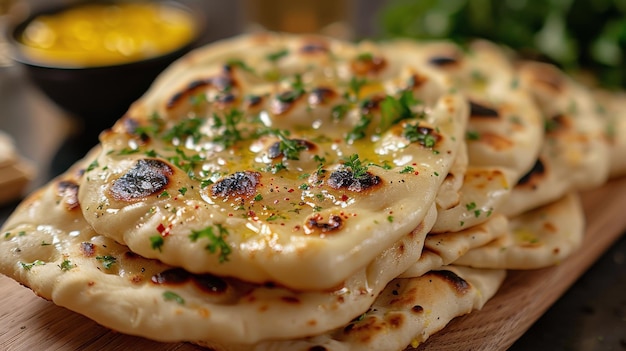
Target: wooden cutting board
29,323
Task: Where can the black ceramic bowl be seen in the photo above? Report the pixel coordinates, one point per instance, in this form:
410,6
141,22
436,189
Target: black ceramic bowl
97,95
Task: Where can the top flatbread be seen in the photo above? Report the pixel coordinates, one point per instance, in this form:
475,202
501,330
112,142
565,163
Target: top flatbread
267,156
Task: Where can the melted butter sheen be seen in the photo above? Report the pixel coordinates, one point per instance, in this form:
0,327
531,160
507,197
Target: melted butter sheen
98,34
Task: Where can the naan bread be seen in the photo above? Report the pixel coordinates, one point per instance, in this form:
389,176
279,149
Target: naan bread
574,154
49,247
271,155
539,238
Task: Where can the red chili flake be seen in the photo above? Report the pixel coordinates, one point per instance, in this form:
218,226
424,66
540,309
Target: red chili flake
416,173
160,228
290,191
251,214
344,197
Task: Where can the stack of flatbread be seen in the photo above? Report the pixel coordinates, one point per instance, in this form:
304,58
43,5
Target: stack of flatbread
282,192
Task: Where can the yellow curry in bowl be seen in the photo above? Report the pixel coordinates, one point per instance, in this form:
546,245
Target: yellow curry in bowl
104,34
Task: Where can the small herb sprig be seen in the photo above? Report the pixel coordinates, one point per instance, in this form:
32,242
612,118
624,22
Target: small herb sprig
216,236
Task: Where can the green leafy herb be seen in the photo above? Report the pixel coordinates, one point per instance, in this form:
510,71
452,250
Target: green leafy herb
182,191
394,109
156,242
216,240
338,112
359,170
422,135
358,132
172,296
390,219
28,266
290,148
66,265
107,261
470,206
275,56
189,127
258,197
354,87
239,64
365,56
407,169
472,135
92,166
164,194
230,123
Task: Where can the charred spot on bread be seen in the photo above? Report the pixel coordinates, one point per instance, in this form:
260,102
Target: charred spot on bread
317,223
68,190
367,64
241,184
87,249
177,276
478,110
209,283
285,101
346,179
147,177
276,149
533,177
321,95
443,61
174,276
458,284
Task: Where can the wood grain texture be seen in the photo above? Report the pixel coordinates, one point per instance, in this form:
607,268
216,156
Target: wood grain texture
29,323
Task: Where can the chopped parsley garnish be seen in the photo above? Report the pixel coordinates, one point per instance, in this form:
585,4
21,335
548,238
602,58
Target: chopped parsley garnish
230,135
407,169
338,112
189,127
164,194
239,64
172,296
354,88
390,219
258,197
107,261
422,135
28,266
290,148
472,135
156,242
365,56
182,190
358,132
394,109
216,236
275,56
276,167
92,166
359,170
470,206
66,265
